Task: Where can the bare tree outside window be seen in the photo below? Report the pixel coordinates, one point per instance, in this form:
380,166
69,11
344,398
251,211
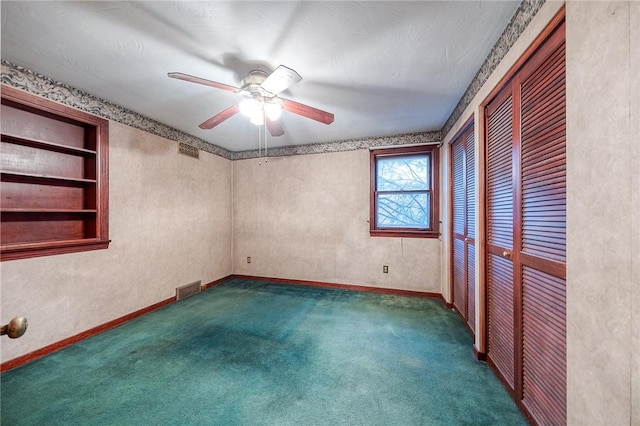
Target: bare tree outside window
402,188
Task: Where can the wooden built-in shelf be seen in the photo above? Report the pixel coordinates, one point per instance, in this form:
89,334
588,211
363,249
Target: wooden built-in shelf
10,210
44,179
51,247
54,178
35,143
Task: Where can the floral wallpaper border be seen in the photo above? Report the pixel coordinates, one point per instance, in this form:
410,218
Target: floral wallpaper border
343,145
526,11
22,78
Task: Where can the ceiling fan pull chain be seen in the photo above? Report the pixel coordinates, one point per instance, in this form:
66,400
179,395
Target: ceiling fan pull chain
260,137
259,150
266,155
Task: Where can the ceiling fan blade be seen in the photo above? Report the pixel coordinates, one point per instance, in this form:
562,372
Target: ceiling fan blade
307,111
280,79
275,128
220,117
192,79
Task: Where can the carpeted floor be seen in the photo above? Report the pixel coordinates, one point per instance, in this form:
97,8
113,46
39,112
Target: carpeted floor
256,353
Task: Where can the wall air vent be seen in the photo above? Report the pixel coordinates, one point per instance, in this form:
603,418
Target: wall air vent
187,290
188,150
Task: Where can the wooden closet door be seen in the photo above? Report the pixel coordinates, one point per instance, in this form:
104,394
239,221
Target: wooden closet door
499,222
459,225
526,233
542,233
463,228
470,236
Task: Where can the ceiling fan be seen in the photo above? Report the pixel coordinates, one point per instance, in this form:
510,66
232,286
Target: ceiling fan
261,102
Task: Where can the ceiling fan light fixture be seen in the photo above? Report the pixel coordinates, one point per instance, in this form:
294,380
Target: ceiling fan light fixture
273,110
257,118
250,107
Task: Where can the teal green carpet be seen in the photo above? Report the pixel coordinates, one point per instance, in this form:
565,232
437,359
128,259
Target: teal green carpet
257,353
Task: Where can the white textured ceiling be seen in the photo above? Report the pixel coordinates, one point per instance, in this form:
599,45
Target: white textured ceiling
382,68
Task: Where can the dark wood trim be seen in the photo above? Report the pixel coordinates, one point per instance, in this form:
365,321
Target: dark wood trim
54,347
481,230
435,175
215,283
103,188
556,268
372,185
54,109
499,251
369,289
405,234
516,168
480,356
463,129
24,251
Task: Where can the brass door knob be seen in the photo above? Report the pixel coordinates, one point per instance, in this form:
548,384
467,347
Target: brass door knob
15,328
506,254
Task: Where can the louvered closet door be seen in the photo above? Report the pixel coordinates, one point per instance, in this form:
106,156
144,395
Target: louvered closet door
470,237
526,227
499,222
543,233
463,229
459,225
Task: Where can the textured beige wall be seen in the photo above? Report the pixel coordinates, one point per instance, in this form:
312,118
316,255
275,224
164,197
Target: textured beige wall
602,206
170,224
306,217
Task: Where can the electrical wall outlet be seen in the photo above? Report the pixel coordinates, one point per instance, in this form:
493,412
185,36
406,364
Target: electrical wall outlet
385,269
248,259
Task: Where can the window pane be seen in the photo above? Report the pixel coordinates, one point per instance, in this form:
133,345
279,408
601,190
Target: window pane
409,210
404,173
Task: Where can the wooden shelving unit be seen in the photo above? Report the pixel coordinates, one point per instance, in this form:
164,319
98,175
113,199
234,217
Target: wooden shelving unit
53,178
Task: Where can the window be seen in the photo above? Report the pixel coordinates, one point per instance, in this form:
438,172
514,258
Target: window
54,180
404,192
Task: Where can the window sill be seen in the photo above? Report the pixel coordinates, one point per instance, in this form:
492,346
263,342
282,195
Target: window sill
404,234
